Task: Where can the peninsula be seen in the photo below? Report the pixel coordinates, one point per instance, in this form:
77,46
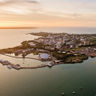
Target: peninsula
57,48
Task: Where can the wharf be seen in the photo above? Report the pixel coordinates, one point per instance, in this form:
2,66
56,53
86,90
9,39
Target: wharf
18,67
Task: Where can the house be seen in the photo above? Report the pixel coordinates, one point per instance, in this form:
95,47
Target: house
32,44
58,45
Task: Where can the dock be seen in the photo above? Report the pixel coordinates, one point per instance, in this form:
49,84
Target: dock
18,67
20,57
36,67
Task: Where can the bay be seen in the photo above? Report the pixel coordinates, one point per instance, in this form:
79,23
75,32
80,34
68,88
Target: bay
45,81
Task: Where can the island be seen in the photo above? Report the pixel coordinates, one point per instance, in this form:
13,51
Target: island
57,48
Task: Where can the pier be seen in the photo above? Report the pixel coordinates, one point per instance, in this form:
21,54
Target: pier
20,57
36,67
18,66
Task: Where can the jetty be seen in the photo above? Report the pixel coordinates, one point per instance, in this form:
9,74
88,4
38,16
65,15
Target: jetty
39,66
18,66
19,57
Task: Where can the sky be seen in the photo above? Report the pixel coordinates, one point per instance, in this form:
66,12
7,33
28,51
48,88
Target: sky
47,13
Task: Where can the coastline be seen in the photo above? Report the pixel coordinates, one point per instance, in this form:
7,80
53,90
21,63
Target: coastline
64,55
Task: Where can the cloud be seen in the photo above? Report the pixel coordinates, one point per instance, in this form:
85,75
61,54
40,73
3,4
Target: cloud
21,7
4,2
69,15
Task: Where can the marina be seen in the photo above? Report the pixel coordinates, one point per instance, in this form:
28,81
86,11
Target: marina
18,66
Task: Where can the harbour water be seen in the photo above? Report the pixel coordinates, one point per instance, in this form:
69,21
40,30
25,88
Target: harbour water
45,81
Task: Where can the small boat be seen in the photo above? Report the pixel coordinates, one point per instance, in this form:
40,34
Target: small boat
62,94
73,92
9,66
49,64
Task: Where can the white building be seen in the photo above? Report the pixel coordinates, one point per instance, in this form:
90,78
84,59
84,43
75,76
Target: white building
32,44
44,56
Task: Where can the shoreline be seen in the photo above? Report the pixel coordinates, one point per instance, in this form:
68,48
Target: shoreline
71,53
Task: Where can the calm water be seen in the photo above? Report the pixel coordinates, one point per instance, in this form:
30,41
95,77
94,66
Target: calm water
45,81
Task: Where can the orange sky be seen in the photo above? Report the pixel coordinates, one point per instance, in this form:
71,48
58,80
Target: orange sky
48,13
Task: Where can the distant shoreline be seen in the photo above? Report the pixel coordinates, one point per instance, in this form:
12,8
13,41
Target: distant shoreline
18,27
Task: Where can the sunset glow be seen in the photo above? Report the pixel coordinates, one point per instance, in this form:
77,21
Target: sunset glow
48,13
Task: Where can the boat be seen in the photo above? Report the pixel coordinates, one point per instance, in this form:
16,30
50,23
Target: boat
73,92
9,67
62,93
49,64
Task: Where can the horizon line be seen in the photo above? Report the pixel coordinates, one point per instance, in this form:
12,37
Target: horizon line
10,27
18,27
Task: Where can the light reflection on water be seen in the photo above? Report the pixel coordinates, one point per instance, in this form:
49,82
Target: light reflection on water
13,37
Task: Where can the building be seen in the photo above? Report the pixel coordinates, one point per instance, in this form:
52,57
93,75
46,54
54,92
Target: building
32,44
44,56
